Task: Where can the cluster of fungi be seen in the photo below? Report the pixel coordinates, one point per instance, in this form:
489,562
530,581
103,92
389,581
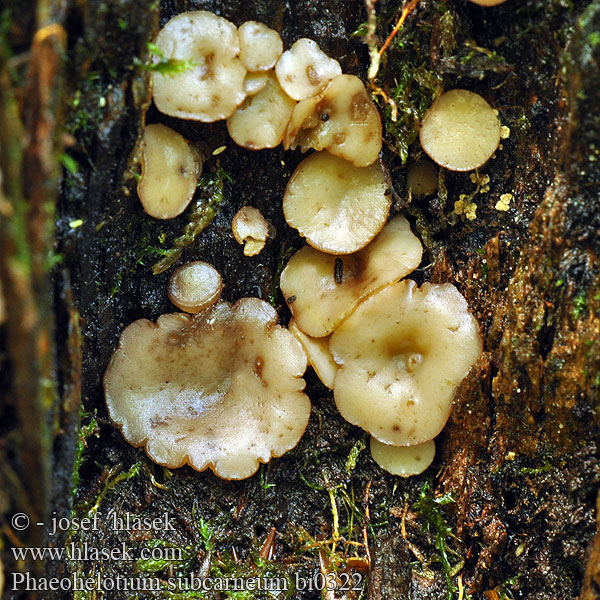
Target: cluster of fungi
220,386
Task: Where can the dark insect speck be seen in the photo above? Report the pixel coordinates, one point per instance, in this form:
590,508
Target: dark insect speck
338,270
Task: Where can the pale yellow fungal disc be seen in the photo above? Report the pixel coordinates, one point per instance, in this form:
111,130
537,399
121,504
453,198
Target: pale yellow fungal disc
304,70
488,2
170,172
317,352
260,46
194,286
402,354
213,85
220,390
460,131
254,82
342,119
403,461
250,228
321,298
337,207
260,122
422,178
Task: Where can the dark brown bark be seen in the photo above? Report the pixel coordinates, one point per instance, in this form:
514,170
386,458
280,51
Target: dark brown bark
519,460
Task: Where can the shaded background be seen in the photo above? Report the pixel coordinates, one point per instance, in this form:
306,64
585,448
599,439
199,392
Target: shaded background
508,508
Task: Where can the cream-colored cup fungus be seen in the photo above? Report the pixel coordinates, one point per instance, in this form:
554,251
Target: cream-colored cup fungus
337,207
170,172
260,122
219,390
304,70
251,229
460,131
260,46
402,354
254,82
194,286
422,178
488,2
317,352
403,461
212,86
322,290
342,119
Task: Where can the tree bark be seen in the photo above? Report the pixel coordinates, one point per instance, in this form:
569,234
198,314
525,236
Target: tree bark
509,507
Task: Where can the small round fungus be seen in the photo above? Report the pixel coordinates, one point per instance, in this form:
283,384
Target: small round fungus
403,460
325,289
260,122
342,119
254,82
488,2
210,86
317,352
337,207
260,46
460,131
422,178
402,354
219,390
251,229
195,286
304,70
170,171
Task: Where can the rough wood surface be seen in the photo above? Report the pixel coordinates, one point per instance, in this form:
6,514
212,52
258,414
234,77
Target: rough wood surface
510,501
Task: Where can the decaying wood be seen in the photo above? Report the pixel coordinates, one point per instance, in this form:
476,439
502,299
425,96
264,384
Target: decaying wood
518,465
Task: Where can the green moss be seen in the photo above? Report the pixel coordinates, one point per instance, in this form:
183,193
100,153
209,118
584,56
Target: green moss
69,163
428,507
407,79
87,430
111,483
284,256
179,560
353,456
164,66
545,468
203,211
580,304
87,111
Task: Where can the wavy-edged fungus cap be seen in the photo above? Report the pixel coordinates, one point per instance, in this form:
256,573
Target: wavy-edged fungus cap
402,354
337,207
260,46
403,461
220,390
304,70
325,289
170,172
251,229
260,122
422,178
317,352
213,85
460,131
194,286
342,119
